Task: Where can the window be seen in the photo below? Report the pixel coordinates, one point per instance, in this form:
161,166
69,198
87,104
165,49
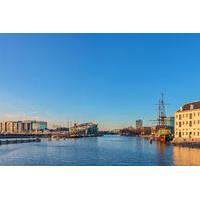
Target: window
186,115
179,117
194,122
190,124
179,124
190,115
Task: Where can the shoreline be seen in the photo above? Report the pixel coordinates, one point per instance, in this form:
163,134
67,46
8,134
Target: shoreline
189,143
51,136
178,142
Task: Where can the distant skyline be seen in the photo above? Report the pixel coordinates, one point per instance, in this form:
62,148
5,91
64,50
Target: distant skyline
111,79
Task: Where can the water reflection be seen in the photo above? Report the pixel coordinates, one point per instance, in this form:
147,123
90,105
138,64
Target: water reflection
186,156
164,154
101,151
161,148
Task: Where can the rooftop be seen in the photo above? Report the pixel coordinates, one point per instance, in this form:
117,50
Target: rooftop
190,106
84,125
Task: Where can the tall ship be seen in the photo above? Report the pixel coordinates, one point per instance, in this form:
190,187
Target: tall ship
162,132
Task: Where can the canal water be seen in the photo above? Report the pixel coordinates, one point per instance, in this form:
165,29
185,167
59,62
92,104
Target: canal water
100,151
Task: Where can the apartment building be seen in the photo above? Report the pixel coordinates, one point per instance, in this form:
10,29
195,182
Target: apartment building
27,126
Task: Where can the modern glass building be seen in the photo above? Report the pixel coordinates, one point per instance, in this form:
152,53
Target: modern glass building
170,122
39,125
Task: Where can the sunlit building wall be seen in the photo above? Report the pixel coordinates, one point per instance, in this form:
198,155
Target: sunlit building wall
10,127
22,126
187,121
4,127
1,128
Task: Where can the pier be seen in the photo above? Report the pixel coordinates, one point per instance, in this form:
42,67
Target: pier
18,141
23,136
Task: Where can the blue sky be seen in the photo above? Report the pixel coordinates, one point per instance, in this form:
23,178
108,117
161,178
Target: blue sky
112,79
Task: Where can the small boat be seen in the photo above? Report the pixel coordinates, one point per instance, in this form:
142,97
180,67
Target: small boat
38,140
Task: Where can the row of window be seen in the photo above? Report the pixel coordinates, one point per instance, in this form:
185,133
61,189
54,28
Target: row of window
194,129
187,134
190,123
190,115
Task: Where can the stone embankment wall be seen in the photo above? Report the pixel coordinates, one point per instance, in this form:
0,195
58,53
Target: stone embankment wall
192,143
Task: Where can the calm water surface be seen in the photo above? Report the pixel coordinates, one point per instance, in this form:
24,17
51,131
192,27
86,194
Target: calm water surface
101,151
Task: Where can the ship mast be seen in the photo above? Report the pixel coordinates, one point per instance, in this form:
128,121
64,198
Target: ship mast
162,111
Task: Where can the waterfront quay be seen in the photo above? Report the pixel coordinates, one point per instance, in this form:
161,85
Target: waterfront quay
191,143
6,139
55,135
181,130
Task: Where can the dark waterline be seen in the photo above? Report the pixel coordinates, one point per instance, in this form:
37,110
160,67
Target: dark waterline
100,151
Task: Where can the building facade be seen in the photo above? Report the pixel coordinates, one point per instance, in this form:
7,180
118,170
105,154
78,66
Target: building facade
27,126
169,122
20,127
84,129
23,126
139,123
10,126
4,127
39,125
187,121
